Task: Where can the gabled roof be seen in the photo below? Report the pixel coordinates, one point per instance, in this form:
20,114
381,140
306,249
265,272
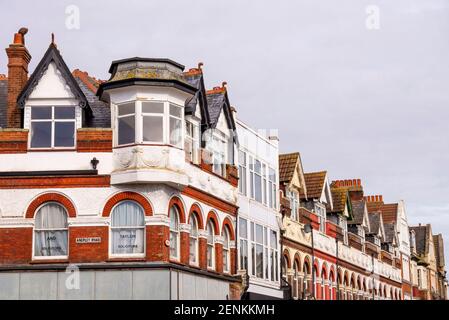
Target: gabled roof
340,199
374,206
287,166
439,249
196,79
390,232
315,182
217,100
358,212
52,55
3,100
376,223
422,234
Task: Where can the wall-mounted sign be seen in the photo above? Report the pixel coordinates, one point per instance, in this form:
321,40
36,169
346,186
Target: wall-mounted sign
88,240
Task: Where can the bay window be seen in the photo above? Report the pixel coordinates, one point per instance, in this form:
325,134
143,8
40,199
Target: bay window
193,256
52,127
210,245
175,125
226,251
128,229
151,122
51,231
174,233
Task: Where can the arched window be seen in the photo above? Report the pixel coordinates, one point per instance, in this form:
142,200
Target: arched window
210,245
226,248
295,285
193,240
51,231
128,229
174,233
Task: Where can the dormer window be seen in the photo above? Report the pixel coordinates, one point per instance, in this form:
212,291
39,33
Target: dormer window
294,204
192,144
361,231
376,240
149,122
52,127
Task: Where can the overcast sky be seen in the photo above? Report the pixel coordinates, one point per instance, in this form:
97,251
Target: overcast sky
356,101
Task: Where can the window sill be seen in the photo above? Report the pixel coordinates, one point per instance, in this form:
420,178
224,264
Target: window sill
51,150
124,259
49,260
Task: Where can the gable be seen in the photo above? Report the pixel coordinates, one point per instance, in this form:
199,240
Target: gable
52,84
52,71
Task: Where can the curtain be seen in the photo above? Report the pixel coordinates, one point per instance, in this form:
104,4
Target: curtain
51,231
128,226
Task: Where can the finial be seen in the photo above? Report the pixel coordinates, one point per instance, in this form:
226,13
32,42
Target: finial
200,65
224,84
52,38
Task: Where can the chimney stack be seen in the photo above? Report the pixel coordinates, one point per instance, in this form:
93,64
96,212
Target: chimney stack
18,60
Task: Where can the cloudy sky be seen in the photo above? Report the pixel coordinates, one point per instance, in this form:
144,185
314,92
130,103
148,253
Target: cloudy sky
361,102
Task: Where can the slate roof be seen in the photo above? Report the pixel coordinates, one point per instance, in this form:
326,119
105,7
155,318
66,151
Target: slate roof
358,211
314,184
3,102
390,232
195,81
439,249
375,222
287,166
422,239
215,102
100,110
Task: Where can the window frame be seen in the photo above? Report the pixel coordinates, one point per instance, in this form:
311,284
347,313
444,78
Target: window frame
34,256
127,255
293,197
178,234
210,224
226,250
139,121
53,121
194,238
195,147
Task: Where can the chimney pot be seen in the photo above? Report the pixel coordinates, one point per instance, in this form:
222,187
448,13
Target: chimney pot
381,198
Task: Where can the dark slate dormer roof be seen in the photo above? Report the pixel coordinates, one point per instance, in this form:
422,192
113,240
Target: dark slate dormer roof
217,100
422,239
196,79
358,212
52,55
390,232
375,221
3,102
100,110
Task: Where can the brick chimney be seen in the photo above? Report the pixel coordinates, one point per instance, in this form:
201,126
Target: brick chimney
18,60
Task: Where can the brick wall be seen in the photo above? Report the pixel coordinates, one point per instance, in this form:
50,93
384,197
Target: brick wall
15,245
88,252
94,140
13,140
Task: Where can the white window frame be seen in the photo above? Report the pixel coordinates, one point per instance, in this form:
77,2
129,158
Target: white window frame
272,187
244,243
219,153
127,255
293,196
226,250
320,210
195,239
210,245
34,257
175,232
53,121
138,125
192,140
243,172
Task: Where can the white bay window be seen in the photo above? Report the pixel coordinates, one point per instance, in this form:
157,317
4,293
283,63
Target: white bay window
149,122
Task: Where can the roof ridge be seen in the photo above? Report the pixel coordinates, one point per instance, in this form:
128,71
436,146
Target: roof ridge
87,80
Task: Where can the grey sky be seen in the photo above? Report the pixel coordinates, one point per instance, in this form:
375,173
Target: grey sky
369,104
